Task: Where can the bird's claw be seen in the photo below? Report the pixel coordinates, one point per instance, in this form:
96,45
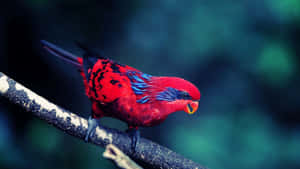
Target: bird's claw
135,138
92,124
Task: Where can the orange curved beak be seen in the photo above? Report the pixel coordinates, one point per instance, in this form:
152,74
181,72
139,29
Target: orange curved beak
192,107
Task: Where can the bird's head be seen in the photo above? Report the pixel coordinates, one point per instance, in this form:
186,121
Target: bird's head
178,94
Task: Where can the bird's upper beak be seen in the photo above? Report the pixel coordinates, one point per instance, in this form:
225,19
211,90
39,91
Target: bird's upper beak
191,107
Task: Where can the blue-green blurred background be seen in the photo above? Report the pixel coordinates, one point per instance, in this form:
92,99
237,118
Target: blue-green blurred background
242,55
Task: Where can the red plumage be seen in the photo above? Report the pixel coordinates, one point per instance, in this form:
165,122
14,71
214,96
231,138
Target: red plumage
126,93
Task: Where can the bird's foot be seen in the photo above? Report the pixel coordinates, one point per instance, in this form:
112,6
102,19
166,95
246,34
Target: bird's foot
135,138
92,124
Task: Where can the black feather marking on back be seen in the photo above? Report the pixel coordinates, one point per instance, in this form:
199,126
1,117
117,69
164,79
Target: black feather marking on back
88,63
90,57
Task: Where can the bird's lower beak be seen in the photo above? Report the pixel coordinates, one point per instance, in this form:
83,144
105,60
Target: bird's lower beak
192,107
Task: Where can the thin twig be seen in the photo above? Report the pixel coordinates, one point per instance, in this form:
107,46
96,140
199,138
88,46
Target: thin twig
148,153
122,160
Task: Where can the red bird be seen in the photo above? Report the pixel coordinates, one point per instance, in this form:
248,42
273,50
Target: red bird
126,93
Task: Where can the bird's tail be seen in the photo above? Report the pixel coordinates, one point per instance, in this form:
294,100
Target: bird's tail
66,56
62,54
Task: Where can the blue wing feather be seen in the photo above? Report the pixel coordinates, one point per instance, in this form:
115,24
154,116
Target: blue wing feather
139,84
143,100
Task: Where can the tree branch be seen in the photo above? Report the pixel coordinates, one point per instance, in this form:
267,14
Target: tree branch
147,152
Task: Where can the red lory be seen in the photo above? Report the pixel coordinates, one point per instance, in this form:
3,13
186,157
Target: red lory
125,93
